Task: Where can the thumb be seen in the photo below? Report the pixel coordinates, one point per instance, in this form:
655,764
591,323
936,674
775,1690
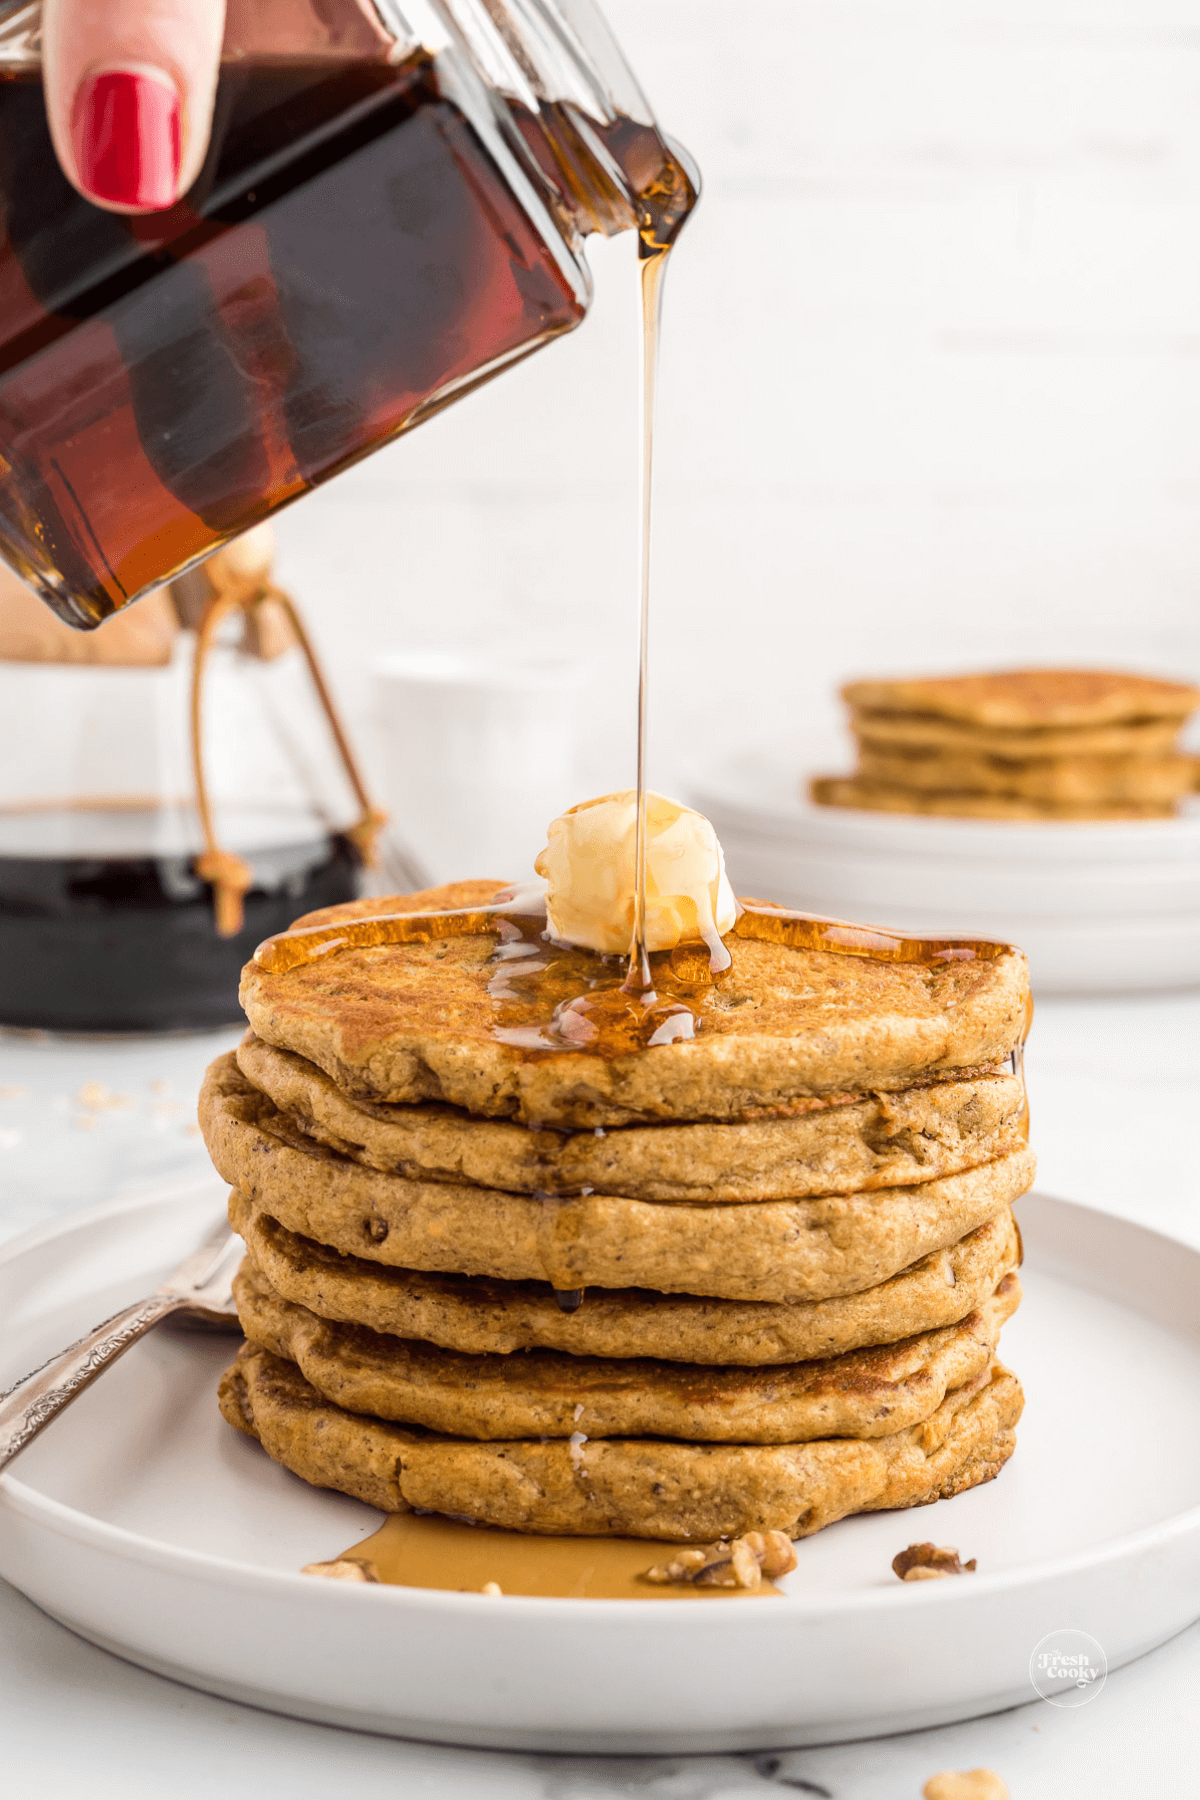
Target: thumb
129,91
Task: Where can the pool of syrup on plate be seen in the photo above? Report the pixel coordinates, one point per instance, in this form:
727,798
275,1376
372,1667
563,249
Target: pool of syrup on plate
426,1550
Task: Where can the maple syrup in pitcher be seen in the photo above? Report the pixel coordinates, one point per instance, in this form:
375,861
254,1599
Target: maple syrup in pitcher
387,216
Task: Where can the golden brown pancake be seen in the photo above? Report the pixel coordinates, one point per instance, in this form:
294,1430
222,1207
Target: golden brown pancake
1025,699
784,1250
864,1393
861,1143
498,1317
623,1487
876,796
414,1022
1073,780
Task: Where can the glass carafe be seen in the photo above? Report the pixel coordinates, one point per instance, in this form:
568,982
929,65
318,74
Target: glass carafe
169,795
391,212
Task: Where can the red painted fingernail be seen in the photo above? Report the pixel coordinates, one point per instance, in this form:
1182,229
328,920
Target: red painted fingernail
126,135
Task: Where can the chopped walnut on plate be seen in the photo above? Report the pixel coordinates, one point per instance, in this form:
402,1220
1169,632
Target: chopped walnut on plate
928,1562
741,1562
343,1568
971,1784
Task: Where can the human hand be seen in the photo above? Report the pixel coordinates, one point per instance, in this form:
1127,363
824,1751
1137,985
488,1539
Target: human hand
129,91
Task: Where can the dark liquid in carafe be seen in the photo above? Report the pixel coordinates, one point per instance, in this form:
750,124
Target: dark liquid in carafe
350,255
107,942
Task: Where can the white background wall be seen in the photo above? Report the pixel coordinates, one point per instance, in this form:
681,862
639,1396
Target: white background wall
931,386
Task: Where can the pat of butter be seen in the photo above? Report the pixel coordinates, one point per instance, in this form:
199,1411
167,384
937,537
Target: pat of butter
589,866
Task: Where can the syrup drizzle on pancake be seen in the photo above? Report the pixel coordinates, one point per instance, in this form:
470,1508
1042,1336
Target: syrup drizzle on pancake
552,996
524,908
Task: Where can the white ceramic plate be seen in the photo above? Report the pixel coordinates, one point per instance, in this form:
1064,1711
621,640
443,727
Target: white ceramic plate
1100,907
144,1523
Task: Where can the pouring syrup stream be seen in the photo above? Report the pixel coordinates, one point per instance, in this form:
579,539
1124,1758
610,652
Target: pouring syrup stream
652,260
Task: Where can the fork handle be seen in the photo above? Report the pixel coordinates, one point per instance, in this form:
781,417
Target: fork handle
30,1404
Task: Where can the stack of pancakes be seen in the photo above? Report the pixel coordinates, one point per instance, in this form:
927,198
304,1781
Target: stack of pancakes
792,1237
1025,744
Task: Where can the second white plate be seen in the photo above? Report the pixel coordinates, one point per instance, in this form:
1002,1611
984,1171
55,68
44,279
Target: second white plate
1097,907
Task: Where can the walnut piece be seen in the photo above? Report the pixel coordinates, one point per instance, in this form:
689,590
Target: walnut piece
741,1562
343,1568
929,1562
971,1784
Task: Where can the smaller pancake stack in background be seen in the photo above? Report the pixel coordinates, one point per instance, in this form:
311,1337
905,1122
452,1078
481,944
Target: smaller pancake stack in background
1021,744
750,1281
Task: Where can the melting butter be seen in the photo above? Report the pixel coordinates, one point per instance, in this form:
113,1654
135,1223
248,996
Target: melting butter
589,865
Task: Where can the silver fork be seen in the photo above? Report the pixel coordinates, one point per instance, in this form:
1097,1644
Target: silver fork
199,1290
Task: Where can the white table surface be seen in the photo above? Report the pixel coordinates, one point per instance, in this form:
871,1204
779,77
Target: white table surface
1114,1087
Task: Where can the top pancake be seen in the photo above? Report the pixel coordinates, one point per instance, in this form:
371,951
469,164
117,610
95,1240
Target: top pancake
415,1022
1028,698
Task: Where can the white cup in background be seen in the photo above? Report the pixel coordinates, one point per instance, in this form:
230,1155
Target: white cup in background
478,754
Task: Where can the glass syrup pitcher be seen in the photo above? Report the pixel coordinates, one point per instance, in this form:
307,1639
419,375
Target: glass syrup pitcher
392,211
